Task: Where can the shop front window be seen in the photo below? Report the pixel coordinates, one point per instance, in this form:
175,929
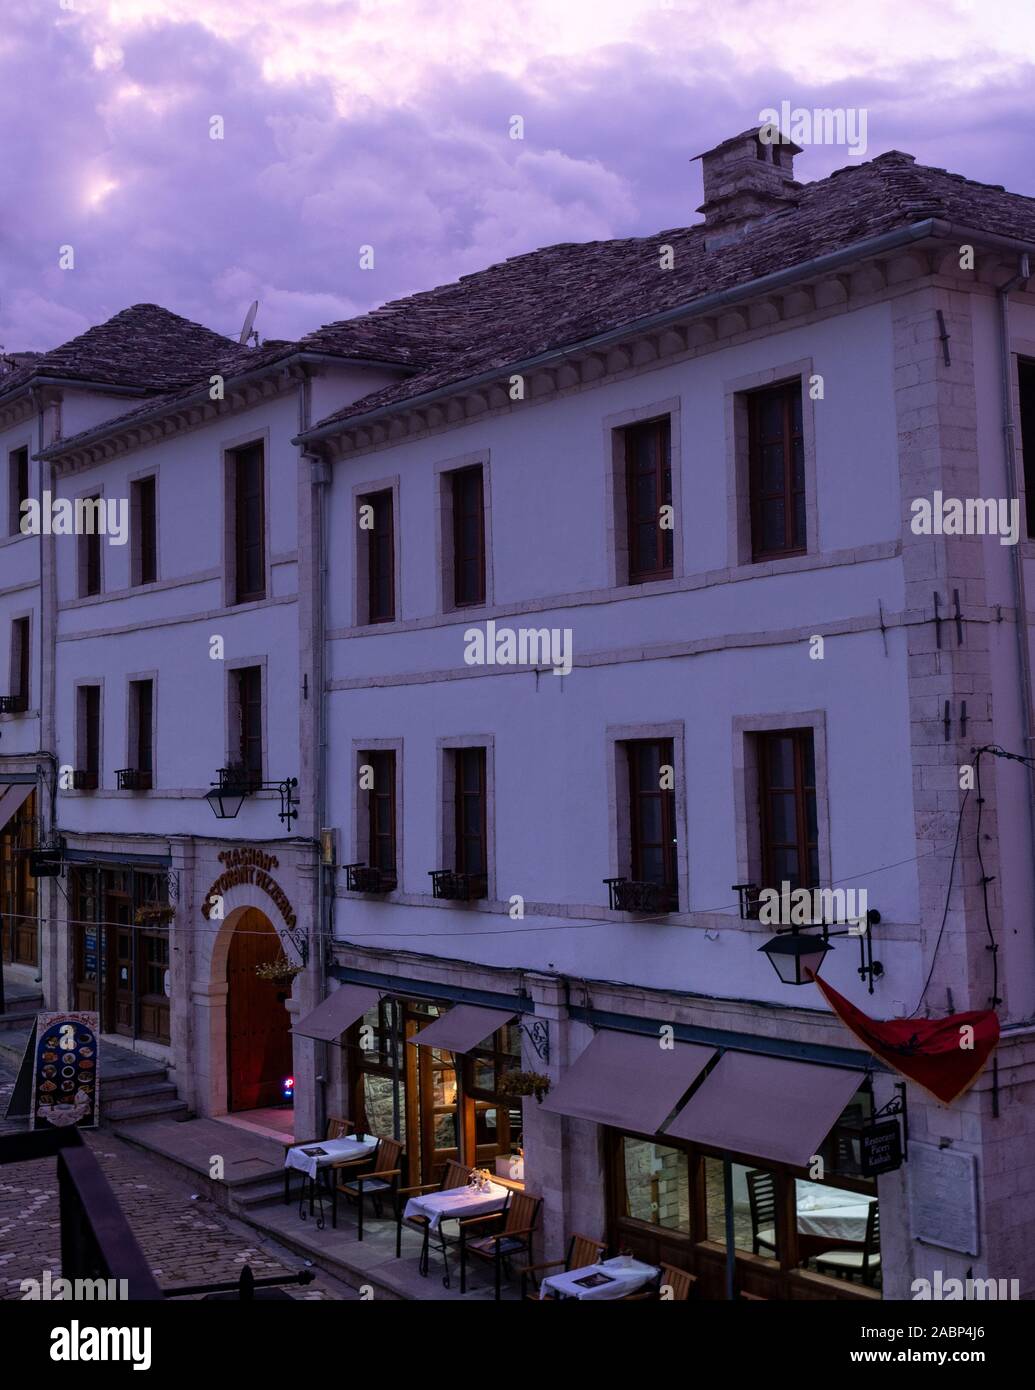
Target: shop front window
498,1118
656,1184
755,1198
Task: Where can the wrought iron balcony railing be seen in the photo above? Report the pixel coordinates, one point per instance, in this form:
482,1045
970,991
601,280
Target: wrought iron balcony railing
363,878
238,780
133,779
13,704
84,780
464,888
635,895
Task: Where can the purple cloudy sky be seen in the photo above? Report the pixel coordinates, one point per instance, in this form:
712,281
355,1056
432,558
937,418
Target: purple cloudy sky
386,122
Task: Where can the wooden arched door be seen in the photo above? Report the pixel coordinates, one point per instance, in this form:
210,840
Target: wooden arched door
258,1037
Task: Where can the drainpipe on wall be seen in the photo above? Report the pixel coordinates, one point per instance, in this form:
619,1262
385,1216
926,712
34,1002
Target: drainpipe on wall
1017,563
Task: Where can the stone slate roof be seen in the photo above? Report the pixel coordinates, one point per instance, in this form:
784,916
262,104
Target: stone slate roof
563,294
145,347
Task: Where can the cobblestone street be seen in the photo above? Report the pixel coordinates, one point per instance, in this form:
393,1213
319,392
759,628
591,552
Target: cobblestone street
185,1236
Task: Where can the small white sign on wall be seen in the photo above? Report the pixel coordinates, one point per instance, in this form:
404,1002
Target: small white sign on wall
943,1197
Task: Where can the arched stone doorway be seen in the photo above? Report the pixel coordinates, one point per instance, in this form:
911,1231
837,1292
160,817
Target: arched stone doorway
258,1032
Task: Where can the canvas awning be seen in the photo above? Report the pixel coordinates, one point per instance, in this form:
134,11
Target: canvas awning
628,1080
462,1028
338,1011
12,798
766,1107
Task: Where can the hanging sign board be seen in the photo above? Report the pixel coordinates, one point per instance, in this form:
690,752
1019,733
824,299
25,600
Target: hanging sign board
880,1148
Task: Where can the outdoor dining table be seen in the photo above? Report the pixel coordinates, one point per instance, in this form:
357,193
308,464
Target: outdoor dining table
457,1202
314,1161
612,1278
832,1213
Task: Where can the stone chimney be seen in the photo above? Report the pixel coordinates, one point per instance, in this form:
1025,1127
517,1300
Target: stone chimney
746,178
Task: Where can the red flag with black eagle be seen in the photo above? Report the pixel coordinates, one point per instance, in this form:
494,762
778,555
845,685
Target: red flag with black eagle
925,1050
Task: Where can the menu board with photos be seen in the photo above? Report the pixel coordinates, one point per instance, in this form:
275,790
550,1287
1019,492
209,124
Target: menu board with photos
66,1064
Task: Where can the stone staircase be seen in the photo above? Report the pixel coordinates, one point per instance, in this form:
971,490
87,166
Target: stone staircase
147,1094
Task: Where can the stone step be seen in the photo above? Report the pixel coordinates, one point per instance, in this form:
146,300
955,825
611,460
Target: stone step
261,1190
147,1107
133,1083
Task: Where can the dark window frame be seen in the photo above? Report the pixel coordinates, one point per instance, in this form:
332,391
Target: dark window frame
21,659
804,845
144,520
90,576
18,487
88,747
477,757
467,500
143,727
792,433
382,846
380,557
248,497
248,711
1026,413
647,564
666,797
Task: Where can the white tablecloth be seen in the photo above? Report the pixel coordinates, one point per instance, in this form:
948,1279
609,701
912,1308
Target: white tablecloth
830,1212
456,1201
334,1150
624,1279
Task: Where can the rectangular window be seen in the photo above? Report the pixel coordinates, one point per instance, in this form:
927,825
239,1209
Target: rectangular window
18,488
145,533
1026,382
88,759
20,655
776,451
468,500
142,731
249,524
652,817
787,804
469,798
381,811
380,544
648,486
90,549
248,681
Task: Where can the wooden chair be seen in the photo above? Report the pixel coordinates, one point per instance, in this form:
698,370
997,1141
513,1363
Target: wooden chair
854,1259
519,1218
581,1252
382,1180
679,1281
337,1128
762,1200
455,1175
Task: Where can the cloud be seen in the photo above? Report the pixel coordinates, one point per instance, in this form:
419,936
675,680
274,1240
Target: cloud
352,124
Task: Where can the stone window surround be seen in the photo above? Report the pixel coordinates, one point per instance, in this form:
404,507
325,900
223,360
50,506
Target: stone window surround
738,469
616,514
229,559
134,532
232,713
131,722
745,788
444,529
446,833
359,839
360,617
618,810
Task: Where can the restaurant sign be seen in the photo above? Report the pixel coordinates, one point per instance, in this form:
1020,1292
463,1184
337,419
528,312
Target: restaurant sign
248,866
880,1147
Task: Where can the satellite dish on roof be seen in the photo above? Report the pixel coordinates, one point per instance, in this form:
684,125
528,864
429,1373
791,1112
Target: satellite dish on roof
249,319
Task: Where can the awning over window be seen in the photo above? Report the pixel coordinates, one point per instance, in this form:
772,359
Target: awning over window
766,1107
462,1028
12,799
338,1011
628,1080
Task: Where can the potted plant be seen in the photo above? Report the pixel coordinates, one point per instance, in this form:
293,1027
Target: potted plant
154,915
278,972
524,1083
